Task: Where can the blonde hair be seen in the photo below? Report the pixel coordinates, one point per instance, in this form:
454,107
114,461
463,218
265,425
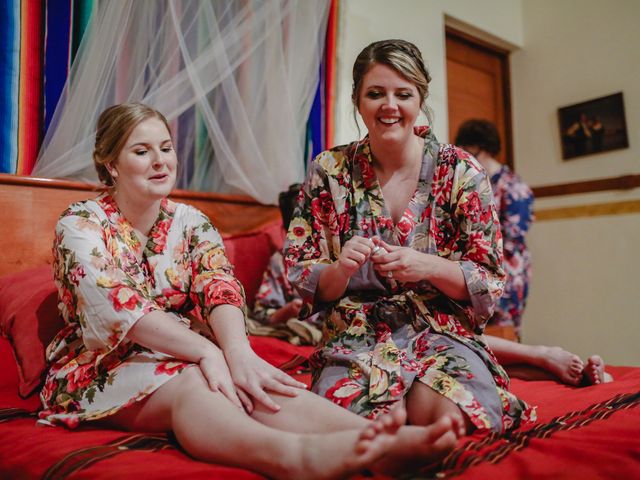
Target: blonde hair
404,57
115,124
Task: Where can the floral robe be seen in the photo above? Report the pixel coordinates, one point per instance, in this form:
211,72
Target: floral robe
514,202
275,292
106,281
383,335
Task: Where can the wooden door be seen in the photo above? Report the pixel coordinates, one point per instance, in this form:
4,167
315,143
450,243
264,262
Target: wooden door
478,87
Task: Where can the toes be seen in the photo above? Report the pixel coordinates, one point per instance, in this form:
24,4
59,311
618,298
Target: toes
443,426
399,414
370,432
594,370
386,421
362,446
596,361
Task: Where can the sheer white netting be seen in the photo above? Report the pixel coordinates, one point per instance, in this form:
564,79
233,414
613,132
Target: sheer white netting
235,78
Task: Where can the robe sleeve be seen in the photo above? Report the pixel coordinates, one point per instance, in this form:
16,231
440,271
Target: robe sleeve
93,287
213,282
271,294
313,239
479,241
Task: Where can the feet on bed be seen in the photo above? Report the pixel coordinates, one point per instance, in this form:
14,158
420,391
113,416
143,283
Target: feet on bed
594,373
324,456
416,447
566,366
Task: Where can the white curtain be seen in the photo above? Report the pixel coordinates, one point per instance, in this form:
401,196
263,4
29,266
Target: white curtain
236,79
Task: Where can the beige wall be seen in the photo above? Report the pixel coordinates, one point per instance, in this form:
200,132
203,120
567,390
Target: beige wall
421,22
585,295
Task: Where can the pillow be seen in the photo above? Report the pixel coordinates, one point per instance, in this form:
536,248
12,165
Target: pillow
29,319
249,253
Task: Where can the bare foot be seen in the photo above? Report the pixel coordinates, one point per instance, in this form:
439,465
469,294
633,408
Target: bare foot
340,454
417,446
593,372
566,366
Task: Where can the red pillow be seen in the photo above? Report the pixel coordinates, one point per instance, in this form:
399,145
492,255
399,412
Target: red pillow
249,254
29,318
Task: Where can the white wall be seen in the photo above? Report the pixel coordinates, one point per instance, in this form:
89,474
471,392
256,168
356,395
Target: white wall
421,22
585,294
572,55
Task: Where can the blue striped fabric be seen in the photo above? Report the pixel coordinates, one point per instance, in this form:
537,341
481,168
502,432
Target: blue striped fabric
9,78
56,57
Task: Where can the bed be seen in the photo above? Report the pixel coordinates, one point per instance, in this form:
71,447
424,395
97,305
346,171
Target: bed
585,433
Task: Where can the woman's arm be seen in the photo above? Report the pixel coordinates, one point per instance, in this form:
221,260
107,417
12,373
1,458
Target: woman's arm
251,374
221,299
159,332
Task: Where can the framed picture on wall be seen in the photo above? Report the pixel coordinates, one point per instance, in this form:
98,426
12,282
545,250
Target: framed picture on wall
593,126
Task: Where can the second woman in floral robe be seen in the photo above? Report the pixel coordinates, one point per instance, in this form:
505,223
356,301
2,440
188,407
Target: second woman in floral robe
381,335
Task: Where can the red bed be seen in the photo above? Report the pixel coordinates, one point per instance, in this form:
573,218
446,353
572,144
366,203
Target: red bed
582,433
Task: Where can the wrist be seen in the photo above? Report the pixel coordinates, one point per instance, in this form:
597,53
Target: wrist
239,347
340,273
208,350
431,267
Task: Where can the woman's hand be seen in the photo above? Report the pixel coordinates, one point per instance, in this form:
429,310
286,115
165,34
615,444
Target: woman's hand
335,278
252,376
288,311
403,264
213,366
355,252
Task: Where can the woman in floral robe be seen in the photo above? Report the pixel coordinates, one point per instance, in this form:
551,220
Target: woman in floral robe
362,258
155,339
514,202
107,279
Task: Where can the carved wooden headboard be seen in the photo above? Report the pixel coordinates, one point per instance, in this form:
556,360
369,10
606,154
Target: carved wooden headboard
30,207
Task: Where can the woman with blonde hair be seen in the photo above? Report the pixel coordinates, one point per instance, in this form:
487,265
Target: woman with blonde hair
155,338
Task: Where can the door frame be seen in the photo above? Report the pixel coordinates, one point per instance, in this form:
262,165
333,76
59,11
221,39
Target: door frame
503,57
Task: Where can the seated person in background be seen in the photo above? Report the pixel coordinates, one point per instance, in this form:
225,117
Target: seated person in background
155,337
277,304
514,201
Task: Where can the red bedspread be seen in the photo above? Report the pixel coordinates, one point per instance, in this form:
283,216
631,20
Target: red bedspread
586,433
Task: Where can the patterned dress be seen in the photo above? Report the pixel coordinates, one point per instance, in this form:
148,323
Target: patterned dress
275,292
381,335
514,202
106,281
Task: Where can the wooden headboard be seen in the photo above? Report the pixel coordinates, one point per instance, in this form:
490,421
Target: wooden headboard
30,207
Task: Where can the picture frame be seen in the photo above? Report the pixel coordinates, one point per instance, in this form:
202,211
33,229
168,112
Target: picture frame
593,127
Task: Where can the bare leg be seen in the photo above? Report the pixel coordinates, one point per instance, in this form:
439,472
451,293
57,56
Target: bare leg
415,445
425,406
211,428
332,439
536,362
594,373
